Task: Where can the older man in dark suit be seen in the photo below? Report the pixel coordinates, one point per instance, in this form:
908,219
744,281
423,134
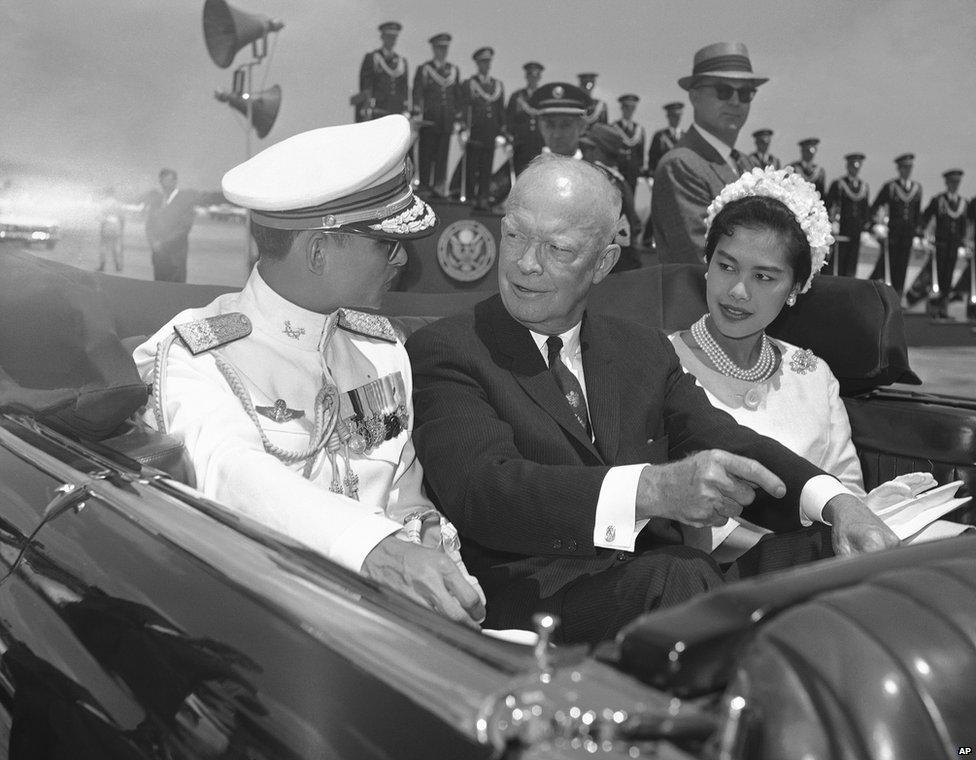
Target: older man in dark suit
568,447
720,88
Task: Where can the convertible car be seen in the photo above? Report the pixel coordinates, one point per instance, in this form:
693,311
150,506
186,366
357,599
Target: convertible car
139,619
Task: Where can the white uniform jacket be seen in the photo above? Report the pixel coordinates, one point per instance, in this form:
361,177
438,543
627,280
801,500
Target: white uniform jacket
288,355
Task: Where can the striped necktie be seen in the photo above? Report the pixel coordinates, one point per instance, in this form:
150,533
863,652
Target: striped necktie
567,382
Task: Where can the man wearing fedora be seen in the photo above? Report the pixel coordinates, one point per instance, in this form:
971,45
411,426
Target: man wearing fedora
721,87
809,169
483,108
436,87
383,77
761,155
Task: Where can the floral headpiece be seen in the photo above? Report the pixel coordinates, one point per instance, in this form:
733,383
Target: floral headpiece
798,195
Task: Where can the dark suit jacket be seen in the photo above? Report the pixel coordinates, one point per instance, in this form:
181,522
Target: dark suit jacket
168,224
510,465
686,180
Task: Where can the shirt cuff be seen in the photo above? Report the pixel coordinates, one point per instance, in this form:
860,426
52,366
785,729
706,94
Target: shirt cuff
616,525
351,547
814,497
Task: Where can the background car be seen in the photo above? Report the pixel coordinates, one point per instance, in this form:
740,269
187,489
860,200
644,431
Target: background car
29,230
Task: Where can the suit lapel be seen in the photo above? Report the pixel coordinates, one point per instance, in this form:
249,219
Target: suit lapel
515,350
703,148
602,387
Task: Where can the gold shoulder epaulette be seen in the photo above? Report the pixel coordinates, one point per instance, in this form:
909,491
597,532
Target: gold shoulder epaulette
213,332
369,325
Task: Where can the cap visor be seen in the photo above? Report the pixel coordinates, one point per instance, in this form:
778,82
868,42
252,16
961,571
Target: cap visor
418,220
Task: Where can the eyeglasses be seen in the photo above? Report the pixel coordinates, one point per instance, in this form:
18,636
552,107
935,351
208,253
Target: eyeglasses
724,91
396,255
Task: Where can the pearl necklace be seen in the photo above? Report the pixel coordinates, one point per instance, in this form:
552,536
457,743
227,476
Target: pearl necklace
724,363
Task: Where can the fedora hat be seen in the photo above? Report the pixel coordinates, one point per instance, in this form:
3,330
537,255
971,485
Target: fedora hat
729,60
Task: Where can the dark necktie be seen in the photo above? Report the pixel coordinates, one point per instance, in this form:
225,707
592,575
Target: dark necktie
735,155
567,382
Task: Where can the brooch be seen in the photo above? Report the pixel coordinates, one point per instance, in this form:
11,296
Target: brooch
803,361
293,332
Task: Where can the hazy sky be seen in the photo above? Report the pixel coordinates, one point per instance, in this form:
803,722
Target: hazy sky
108,91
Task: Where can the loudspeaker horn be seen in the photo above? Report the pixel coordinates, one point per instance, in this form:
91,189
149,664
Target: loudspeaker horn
227,29
264,107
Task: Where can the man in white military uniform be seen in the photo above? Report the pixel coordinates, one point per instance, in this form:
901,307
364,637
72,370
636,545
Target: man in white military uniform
294,408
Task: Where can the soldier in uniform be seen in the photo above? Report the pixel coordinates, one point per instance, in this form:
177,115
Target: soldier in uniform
664,139
949,210
483,109
521,119
383,78
598,113
631,160
807,168
436,91
902,197
562,111
848,205
294,407
761,155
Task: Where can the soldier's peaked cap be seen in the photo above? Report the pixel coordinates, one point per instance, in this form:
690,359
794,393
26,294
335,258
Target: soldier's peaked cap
391,26
854,157
763,133
483,54
628,98
533,66
674,106
560,98
949,174
353,178
905,158
809,141
728,60
440,39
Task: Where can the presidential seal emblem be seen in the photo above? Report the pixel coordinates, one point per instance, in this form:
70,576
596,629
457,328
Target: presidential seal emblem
466,250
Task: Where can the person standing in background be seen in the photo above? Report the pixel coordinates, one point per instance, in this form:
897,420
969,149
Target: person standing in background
383,77
169,219
761,155
664,139
631,160
848,206
902,197
598,113
807,168
521,119
483,103
721,88
436,95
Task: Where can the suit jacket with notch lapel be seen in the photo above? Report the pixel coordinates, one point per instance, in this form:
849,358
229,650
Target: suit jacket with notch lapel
513,469
686,180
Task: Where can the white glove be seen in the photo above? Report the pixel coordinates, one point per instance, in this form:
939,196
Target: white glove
898,489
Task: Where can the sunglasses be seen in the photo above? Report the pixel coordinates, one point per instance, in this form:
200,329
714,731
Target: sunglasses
396,254
724,91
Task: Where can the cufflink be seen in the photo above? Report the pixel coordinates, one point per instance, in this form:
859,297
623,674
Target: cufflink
610,534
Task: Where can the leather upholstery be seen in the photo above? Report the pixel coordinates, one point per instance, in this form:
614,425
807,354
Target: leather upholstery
691,649
878,671
158,450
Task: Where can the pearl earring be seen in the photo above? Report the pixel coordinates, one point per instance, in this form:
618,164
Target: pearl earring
791,300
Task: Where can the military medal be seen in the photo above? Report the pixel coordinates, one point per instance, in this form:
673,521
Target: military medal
374,413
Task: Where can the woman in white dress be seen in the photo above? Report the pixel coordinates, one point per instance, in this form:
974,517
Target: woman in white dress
768,236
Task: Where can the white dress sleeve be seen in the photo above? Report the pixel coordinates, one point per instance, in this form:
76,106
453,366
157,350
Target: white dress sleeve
841,458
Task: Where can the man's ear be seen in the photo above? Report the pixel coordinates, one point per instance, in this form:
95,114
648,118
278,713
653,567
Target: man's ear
315,252
606,262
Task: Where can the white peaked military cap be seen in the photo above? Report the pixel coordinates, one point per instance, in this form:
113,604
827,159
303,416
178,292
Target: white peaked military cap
352,178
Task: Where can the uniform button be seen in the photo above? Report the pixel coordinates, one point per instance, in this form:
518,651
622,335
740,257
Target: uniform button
622,556
557,544
572,545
